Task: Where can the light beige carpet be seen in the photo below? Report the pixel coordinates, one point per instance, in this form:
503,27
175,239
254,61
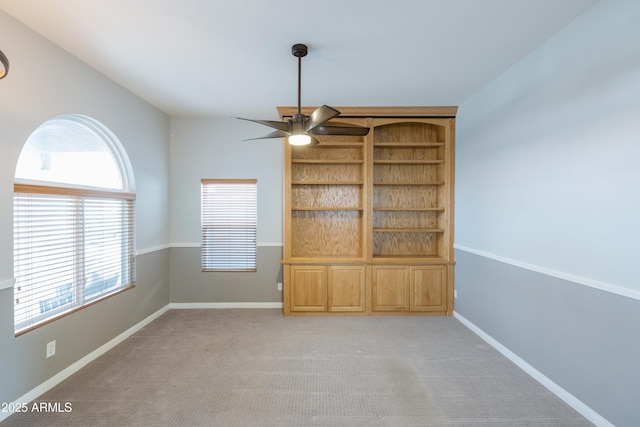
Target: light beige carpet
245,367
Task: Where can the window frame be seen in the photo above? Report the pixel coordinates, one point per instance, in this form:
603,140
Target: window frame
240,243
89,201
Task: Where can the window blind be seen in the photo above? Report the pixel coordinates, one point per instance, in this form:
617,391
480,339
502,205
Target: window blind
71,248
229,222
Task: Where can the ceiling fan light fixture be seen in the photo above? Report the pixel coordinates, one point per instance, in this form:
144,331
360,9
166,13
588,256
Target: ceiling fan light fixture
300,139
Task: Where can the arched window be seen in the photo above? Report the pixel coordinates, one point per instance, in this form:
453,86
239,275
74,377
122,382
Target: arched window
73,220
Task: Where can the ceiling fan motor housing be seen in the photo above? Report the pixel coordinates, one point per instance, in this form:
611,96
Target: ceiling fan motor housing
298,122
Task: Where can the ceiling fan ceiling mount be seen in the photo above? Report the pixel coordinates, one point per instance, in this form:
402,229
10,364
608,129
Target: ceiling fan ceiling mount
300,129
299,50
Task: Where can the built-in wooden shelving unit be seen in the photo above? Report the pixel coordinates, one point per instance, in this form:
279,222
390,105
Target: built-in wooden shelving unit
368,221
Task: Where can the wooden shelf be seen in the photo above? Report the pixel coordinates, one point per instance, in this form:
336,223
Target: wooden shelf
409,257
327,183
328,161
407,162
410,209
356,144
324,260
338,208
408,144
404,183
408,230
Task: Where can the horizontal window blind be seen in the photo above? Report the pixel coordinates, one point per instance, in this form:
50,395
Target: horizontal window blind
229,223
69,251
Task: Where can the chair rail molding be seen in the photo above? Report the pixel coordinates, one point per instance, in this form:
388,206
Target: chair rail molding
585,281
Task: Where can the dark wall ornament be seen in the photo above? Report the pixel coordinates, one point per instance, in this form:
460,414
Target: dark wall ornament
4,65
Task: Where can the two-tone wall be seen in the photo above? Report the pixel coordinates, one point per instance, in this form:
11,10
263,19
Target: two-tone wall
214,148
547,202
548,211
44,81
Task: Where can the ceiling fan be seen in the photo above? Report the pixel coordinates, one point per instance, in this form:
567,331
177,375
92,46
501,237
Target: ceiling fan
300,129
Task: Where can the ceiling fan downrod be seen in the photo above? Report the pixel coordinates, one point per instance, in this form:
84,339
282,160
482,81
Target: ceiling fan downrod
299,50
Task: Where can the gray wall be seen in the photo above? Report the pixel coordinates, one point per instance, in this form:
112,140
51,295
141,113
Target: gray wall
547,202
583,339
44,82
190,285
214,148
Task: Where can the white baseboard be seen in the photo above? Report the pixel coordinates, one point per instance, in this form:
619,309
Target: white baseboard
187,305
75,367
563,394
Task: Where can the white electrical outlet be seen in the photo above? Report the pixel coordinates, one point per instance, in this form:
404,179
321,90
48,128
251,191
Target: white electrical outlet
51,348
455,293
279,286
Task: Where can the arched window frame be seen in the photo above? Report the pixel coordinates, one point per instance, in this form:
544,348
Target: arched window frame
95,211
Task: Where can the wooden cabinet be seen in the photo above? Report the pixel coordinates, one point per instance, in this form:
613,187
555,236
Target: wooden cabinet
410,289
346,289
308,288
428,288
319,288
368,221
390,285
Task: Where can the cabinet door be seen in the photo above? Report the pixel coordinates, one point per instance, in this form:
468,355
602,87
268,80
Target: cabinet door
308,288
428,288
346,288
390,288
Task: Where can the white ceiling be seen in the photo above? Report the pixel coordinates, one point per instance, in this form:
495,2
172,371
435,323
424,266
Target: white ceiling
233,57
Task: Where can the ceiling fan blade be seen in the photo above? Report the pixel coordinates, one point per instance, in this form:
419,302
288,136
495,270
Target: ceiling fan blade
274,134
321,115
283,126
341,130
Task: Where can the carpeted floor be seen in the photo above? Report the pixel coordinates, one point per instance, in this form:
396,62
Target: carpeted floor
245,367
